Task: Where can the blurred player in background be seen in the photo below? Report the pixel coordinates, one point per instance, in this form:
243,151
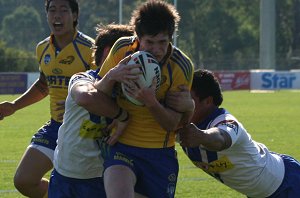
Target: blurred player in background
218,143
144,159
78,165
65,52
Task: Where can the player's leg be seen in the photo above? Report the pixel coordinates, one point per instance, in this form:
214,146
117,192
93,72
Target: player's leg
66,187
289,187
119,171
159,172
28,178
37,161
119,181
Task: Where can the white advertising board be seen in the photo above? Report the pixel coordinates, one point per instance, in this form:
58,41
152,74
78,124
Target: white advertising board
274,80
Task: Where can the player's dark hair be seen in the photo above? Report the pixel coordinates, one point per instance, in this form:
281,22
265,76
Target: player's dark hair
107,35
73,5
205,84
154,17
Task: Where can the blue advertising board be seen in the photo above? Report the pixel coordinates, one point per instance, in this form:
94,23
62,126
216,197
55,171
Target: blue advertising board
13,83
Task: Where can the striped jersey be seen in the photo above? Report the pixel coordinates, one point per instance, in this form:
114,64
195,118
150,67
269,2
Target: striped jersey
59,65
143,130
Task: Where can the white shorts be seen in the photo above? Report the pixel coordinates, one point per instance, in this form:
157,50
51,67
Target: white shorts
48,152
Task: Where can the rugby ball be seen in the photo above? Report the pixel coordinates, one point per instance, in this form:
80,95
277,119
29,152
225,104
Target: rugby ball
150,69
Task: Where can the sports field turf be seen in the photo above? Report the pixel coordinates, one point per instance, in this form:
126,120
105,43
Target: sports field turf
271,118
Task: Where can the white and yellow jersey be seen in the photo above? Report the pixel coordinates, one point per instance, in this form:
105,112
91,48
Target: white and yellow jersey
77,154
58,67
246,166
143,130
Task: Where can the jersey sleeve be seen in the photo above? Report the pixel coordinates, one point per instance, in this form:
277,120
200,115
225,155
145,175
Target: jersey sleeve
230,125
184,71
79,78
113,58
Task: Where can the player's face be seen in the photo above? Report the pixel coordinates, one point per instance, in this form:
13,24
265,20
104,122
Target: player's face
60,17
157,45
203,108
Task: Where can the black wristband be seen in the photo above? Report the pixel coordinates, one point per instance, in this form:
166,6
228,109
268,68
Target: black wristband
119,113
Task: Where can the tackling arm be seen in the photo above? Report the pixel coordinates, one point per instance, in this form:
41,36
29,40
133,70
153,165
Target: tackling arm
213,139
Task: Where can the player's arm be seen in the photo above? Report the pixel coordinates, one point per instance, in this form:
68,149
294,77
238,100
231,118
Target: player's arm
166,117
35,93
120,73
86,95
181,101
213,139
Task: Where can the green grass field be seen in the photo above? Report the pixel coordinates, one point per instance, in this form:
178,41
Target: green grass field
271,118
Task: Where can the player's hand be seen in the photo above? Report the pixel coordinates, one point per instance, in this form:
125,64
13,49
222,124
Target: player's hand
181,100
125,73
145,95
188,136
6,109
120,127
120,124
60,106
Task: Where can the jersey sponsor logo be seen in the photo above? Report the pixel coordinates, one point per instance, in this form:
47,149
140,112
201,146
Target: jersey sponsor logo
221,165
122,157
40,140
47,59
91,130
68,60
57,71
58,81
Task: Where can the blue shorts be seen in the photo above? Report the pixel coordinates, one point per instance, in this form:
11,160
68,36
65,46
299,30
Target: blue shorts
65,187
290,186
47,135
156,169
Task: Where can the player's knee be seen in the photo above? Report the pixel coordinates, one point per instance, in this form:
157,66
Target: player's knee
23,183
20,182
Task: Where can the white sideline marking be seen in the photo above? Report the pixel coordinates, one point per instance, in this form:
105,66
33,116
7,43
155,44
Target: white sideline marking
7,191
8,161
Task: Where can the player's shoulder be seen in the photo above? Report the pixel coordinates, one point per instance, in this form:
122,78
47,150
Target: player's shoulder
124,43
181,58
183,62
84,39
43,43
225,119
88,76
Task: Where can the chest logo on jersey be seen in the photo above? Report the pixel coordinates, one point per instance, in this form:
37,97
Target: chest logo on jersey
57,71
67,61
47,59
58,81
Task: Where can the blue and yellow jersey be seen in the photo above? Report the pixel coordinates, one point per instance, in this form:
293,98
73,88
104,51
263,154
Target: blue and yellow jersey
59,67
143,130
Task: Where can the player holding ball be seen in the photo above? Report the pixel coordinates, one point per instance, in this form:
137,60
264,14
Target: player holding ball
144,159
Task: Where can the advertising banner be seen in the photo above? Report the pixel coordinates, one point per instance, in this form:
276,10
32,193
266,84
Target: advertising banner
13,83
234,80
274,80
